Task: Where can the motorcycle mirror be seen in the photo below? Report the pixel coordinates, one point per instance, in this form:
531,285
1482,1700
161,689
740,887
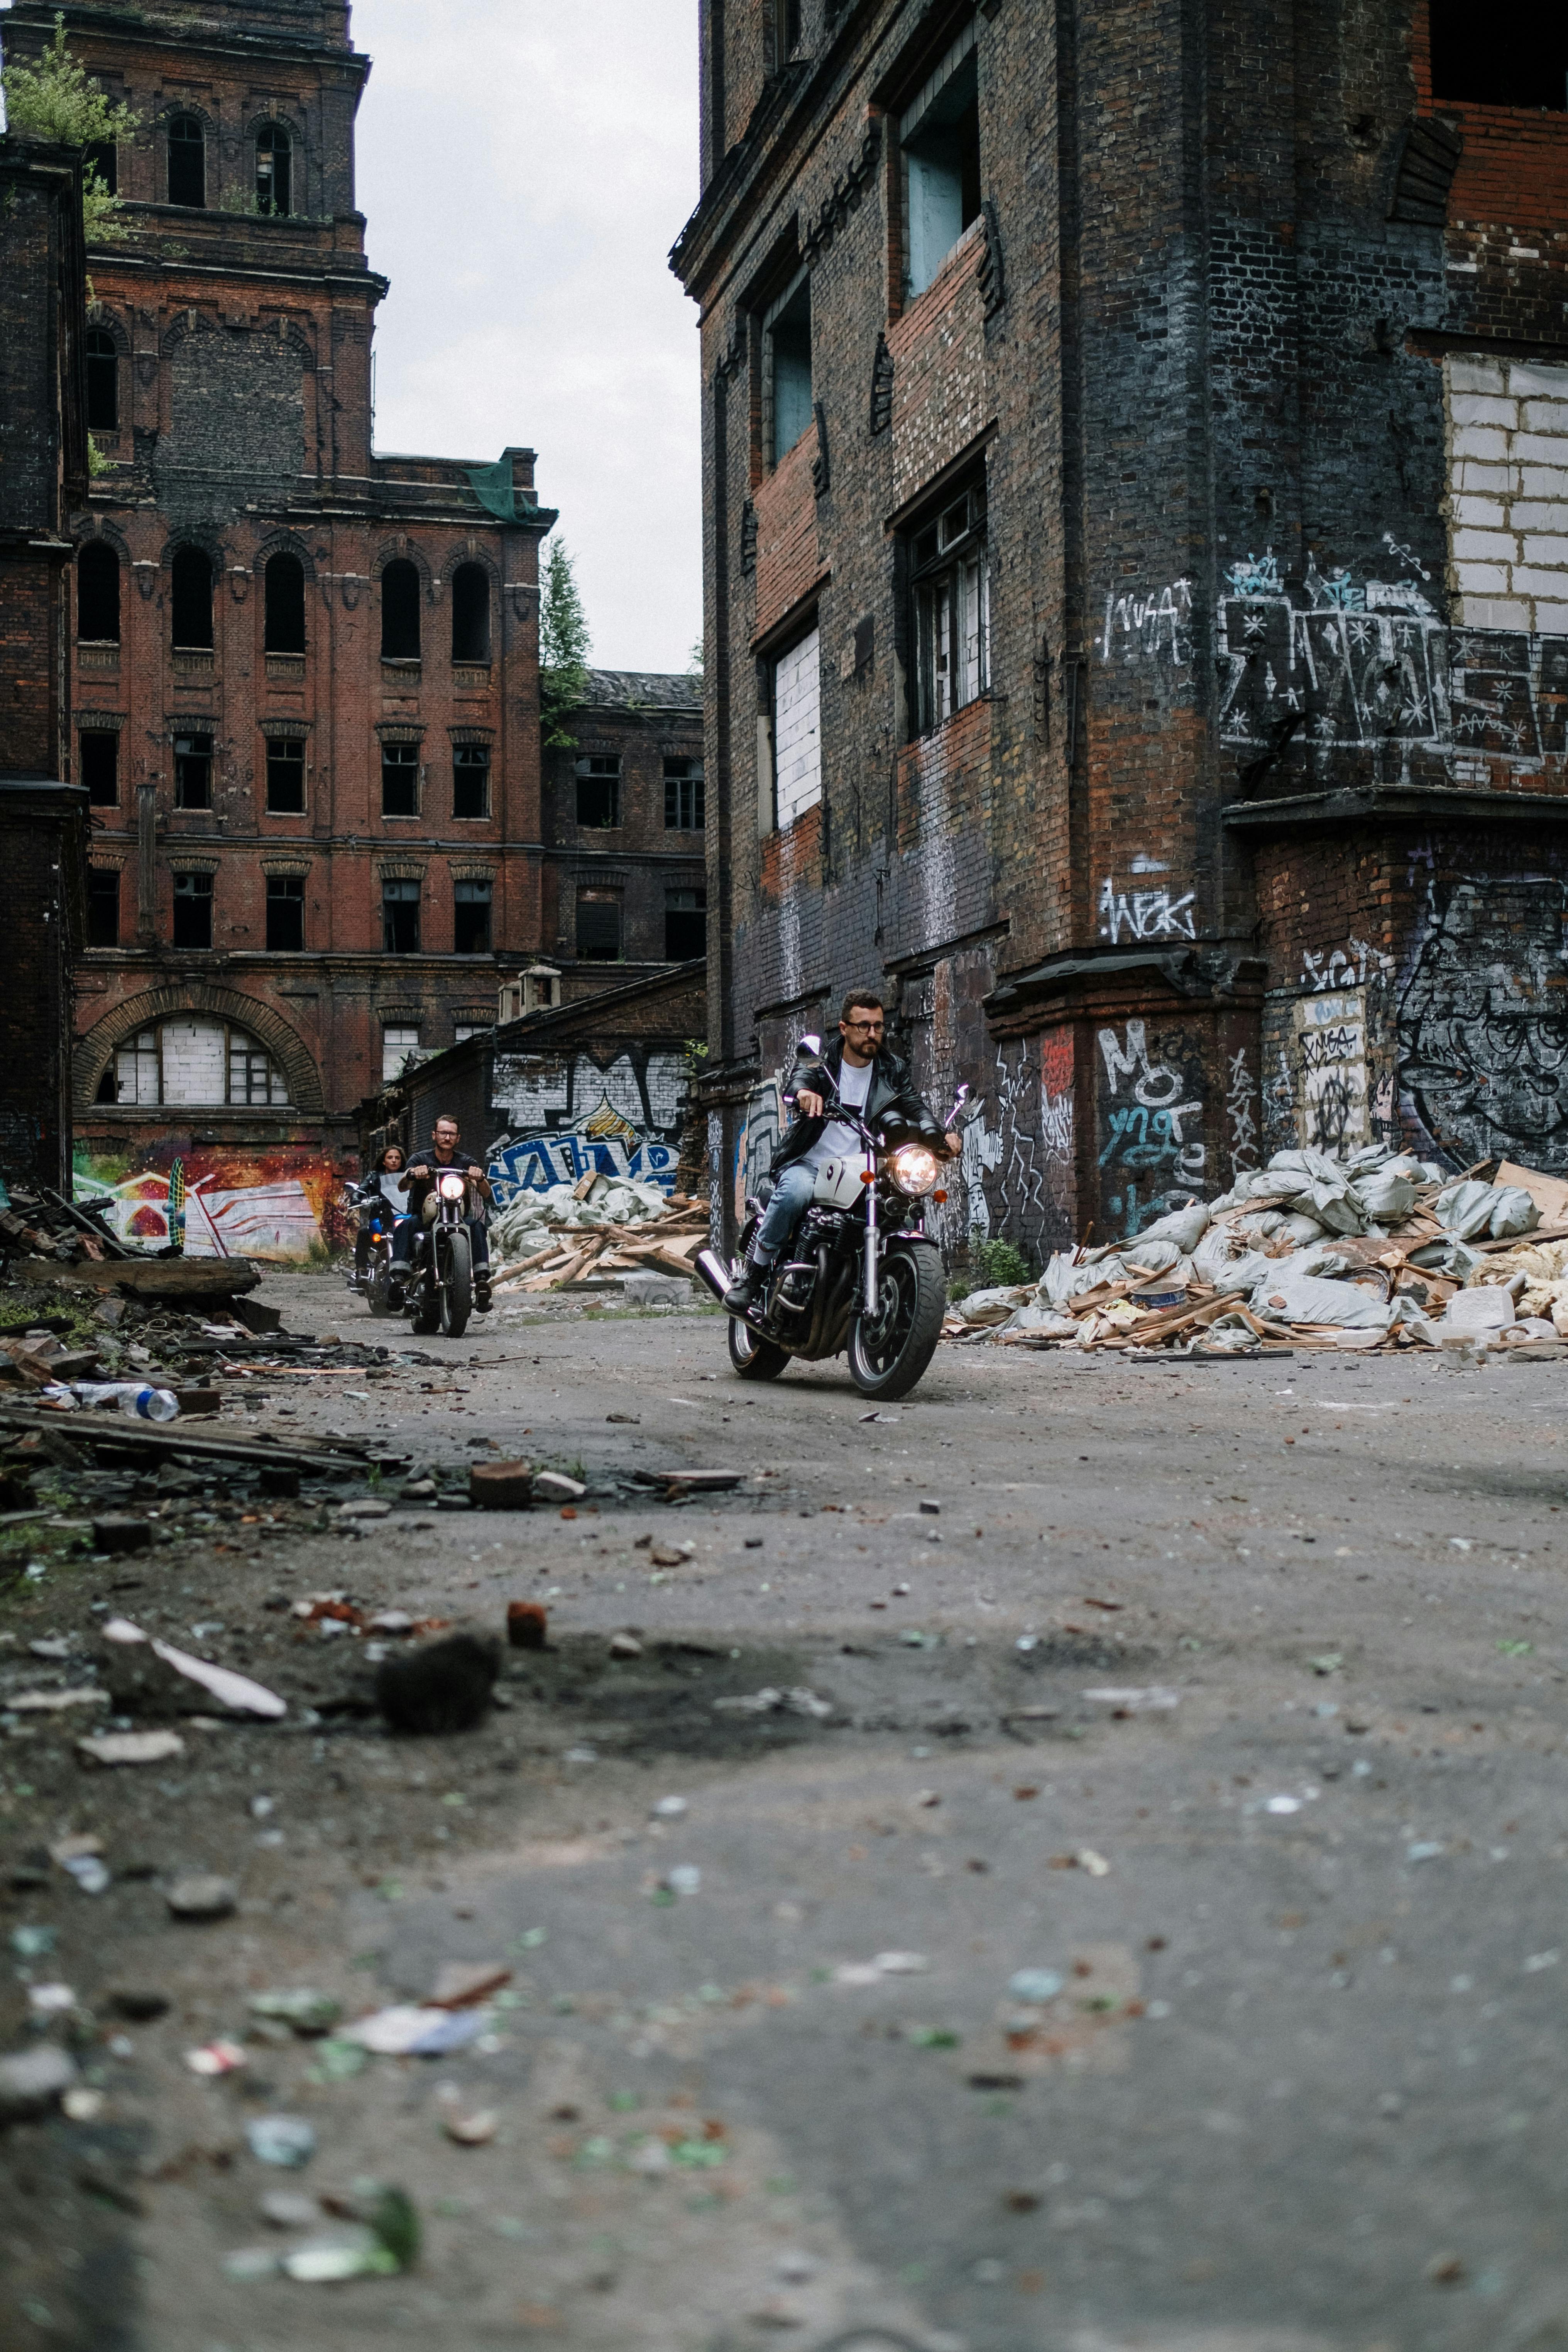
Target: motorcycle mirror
807,1045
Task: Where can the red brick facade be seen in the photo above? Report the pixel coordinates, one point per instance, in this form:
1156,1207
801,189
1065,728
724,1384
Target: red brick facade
348,740
1234,369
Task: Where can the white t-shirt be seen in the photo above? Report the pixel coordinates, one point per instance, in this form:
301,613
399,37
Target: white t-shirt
837,1137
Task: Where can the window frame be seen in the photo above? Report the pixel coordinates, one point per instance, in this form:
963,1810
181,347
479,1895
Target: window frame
102,881
145,1047
921,122
605,770
473,891
183,760
183,601
811,797
403,1030
93,560
269,139
597,895
182,115
416,767
188,893
463,576
472,760
398,614
776,313
101,363
698,895
283,609
685,794
110,735
401,890
284,751
285,891
944,566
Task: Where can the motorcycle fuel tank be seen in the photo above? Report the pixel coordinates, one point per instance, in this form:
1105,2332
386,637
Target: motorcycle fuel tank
839,1182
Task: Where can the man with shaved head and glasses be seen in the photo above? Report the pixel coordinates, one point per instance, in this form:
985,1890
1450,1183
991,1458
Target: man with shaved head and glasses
861,1069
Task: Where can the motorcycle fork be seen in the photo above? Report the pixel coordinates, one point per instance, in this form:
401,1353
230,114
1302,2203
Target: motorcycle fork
871,1296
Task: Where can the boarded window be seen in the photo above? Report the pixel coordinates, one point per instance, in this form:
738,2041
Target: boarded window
286,911
102,381
470,917
193,924
284,628
684,809
940,137
136,1069
470,613
471,780
103,907
98,594
194,1060
400,780
274,170
187,161
599,794
951,609
685,925
191,599
797,730
285,776
101,767
400,917
400,612
599,926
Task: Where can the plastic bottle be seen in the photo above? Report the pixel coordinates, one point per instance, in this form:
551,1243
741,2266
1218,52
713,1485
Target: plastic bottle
130,1396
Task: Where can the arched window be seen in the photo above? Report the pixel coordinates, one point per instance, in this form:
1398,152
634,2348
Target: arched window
470,613
274,170
102,382
187,162
191,599
98,594
194,1058
400,611
284,628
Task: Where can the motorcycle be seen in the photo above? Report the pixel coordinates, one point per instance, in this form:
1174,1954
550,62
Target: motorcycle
864,1275
439,1284
376,1219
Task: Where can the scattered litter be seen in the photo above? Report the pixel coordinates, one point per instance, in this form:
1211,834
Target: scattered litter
554,1486
625,1646
1140,1701
406,2031
83,2104
216,2058
51,1999
31,2081
131,1747
1035,1985
308,2012
459,1984
476,2130
884,1964
327,2262
286,2208
1282,1804
1424,1850
669,1809
527,1625
286,2140
684,1879
1094,1863
32,1943
440,1686
772,1701
1539,1960
236,1691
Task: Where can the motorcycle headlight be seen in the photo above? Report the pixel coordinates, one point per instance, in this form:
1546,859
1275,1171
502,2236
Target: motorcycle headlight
913,1169
453,1186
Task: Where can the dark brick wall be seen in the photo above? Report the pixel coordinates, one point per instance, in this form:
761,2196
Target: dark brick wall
1196,339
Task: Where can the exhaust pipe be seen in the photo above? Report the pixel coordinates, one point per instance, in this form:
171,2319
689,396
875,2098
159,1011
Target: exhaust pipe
713,1271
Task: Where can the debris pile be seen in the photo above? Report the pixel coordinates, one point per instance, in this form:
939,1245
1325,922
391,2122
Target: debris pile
36,1222
601,1225
1377,1250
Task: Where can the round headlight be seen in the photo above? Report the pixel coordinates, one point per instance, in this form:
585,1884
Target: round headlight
913,1169
453,1187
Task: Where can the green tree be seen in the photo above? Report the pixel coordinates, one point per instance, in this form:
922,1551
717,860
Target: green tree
563,646
55,100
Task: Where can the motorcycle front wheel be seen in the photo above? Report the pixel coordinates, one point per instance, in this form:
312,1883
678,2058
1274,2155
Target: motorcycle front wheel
889,1353
378,1285
458,1288
754,1358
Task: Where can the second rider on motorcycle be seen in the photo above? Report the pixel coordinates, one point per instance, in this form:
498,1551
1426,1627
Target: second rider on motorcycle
865,1075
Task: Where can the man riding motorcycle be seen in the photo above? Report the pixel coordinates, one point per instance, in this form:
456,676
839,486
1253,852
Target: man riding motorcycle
868,1078
421,1176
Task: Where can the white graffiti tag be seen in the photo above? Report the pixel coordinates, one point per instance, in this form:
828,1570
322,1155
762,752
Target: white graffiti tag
1145,914
1239,1112
1154,1130
1149,622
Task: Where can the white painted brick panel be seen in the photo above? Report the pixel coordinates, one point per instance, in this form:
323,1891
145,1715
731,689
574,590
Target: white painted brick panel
1484,547
1483,578
1493,612
1526,381
1475,408
1477,376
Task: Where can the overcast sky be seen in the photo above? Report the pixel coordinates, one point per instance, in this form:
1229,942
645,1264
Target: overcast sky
525,167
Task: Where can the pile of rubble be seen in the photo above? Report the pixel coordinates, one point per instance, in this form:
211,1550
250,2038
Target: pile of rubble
599,1226
1379,1250
36,1222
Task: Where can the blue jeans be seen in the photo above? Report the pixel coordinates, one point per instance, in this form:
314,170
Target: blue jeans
792,1190
406,1227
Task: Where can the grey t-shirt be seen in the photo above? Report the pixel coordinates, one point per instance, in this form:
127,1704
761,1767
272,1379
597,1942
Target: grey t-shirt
837,1137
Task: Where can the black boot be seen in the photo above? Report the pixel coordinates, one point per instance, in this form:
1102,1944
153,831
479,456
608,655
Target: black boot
744,1295
483,1294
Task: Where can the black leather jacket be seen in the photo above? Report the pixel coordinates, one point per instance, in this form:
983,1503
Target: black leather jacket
891,1101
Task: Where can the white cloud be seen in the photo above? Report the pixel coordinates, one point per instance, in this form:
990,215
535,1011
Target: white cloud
524,168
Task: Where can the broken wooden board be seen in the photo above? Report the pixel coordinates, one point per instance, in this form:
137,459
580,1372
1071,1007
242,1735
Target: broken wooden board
150,1277
166,1438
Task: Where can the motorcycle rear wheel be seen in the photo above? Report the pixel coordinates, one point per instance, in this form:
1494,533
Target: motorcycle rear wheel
458,1289
886,1357
754,1358
378,1283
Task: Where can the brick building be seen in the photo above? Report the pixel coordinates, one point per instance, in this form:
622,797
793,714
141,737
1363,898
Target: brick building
625,874
304,675
43,818
1136,482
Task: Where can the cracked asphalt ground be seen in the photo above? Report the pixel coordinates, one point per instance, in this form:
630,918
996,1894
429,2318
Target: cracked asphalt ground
1300,2089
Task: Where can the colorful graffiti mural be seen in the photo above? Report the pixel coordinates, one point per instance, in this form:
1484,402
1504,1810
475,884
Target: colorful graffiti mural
278,1206
572,1116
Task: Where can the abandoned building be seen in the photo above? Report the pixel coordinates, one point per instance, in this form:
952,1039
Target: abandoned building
43,817
626,877
304,675
1136,485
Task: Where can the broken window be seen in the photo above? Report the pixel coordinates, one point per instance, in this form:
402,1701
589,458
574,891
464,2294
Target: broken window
102,381
939,135
274,170
254,1077
283,628
400,917
1519,60
796,713
599,926
103,907
951,609
471,780
683,796
99,769
285,776
135,1076
193,911
599,794
399,1048
187,161
98,594
285,912
192,771
471,917
400,780
470,613
685,925
101,158
400,611
191,599
786,345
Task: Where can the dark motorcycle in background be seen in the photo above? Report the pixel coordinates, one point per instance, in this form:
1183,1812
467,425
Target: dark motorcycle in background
373,1281
439,1287
863,1276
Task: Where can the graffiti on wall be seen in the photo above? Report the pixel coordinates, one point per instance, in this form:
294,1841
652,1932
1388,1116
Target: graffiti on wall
1153,1154
1331,1049
1240,1116
1482,1021
1148,623
278,1206
1132,914
757,1141
1346,665
569,1115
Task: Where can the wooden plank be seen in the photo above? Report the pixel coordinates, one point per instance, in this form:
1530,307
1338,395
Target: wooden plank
149,1277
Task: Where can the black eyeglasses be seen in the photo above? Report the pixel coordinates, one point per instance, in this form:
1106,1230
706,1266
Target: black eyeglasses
878,1026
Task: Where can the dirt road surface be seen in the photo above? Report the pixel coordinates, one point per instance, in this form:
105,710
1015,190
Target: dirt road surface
1136,1918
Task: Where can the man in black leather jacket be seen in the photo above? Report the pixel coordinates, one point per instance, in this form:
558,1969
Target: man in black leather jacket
867,1077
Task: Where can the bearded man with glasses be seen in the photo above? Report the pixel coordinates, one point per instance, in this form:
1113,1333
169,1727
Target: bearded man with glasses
861,1073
